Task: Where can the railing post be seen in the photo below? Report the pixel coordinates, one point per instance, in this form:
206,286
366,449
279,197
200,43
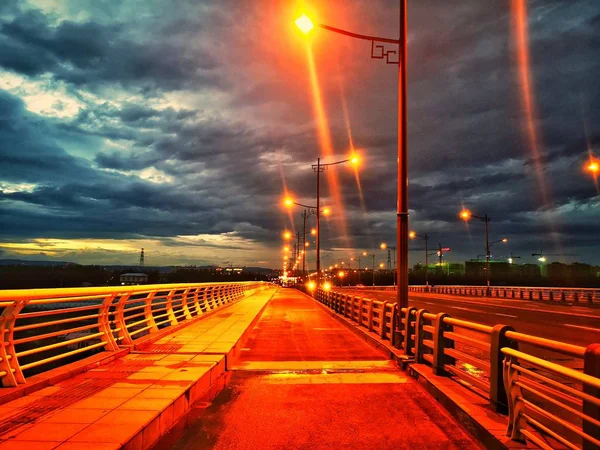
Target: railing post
498,399
382,319
104,323
591,366
370,316
515,406
122,332
419,335
169,308
9,363
184,304
148,315
393,323
360,305
409,330
439,344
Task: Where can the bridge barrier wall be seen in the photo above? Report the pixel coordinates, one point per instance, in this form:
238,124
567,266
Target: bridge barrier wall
45,328
589,296
543,399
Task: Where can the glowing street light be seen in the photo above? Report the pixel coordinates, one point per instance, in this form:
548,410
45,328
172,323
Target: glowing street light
425,237
466,215
313,232
311,285
542,259
287,235
304,24
593,166
327,286
372,255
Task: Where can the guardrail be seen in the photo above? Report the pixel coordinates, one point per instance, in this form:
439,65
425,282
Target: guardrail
574,295
50,327
487,360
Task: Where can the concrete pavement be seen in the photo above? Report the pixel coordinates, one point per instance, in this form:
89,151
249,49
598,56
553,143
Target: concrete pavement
305,381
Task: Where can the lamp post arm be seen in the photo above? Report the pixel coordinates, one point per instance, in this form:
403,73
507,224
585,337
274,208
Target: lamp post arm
359,36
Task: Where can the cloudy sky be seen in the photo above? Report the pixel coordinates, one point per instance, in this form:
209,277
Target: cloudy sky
177,125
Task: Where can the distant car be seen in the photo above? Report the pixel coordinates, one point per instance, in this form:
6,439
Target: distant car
360,285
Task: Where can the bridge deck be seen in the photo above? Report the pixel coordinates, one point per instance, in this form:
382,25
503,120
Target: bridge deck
305,381
133,400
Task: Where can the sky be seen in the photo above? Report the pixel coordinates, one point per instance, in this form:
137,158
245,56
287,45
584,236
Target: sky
178,126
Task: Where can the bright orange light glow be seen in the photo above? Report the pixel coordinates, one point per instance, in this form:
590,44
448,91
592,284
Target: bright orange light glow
288,202
341,274
593,167
327,286
313,231
325,143
465,214
383,246
365,253
287,235
330,267
505,240
304,24
306,244
521,35
286,249
326,211
311,285
412,234
381,265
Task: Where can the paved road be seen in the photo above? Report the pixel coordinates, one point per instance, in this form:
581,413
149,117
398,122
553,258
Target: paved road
304,381
577,325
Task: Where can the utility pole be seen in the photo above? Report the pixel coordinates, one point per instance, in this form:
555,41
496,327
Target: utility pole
304,216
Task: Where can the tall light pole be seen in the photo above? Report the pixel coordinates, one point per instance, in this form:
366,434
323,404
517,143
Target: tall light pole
425,237
372,255
378,51
288,202
318,168
466,215
384,246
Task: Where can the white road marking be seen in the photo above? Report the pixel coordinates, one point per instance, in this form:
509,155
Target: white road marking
597,330
505,315
466,309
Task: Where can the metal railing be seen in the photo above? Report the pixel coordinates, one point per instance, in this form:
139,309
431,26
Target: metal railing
486,359
573,295
45,328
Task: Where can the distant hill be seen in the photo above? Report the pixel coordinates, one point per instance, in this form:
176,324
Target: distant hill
161,269
25,262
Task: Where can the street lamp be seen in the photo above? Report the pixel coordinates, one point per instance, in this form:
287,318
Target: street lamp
378,51
318,168
372,255
593,166
389,249
466,215
317,211
425,237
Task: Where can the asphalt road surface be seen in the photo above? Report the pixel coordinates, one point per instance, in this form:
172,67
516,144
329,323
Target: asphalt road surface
578,325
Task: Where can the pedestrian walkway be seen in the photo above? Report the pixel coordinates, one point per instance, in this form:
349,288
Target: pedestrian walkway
135,399
305,381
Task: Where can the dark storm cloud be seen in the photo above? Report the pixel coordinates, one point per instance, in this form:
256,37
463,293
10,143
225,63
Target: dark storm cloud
91,54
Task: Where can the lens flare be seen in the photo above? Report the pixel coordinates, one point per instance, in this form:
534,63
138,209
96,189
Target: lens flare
325,141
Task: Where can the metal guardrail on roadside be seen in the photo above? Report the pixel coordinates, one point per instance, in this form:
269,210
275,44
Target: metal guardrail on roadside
560,403
574,295
49,327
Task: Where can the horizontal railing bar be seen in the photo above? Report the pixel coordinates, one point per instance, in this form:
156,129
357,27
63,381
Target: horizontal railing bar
553,367
557,346
54,312
54,334
61,356
33,351
461,356
468,325
55,322
540,443
482,345
467,377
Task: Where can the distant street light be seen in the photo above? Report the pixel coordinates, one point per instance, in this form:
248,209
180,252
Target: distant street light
372,255
593,166
379,52
466,215
384,246
425,237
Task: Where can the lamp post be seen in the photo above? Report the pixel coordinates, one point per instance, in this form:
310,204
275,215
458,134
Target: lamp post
384,246
425,237
466,215
378,51
318,168
316,210
372,255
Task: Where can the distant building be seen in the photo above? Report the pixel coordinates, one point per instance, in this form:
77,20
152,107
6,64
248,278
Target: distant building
133,278
477,267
